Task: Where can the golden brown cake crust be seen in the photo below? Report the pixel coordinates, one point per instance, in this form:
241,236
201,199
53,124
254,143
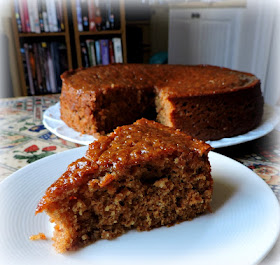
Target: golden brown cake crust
140,176
178,80
98,99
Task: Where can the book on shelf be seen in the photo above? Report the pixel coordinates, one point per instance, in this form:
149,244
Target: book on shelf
45,16
85,59
44,54
117,44
24,63
29,71
54,51
52,18
84,10
24,15
38,16
108,13
111,51
52,76
17,15
91,52
63,63
30,14
115,15
91,15
101,52
59,15
79,15
97,15
104,46
33,16
38,72
42,67
103,13
97,52
43,63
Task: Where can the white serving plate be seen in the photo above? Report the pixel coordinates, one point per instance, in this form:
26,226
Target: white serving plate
242,228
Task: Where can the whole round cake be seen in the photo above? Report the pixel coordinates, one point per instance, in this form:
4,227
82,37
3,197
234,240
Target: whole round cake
207,102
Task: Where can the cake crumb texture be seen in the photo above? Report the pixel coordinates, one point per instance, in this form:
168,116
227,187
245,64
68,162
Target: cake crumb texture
39,236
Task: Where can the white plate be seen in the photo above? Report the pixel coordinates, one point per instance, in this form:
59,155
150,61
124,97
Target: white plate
241,230
52,122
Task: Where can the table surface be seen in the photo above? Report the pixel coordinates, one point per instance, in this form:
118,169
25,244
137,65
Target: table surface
24,139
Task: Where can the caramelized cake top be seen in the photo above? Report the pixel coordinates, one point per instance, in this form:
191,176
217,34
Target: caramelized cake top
178,80
206,80
127,146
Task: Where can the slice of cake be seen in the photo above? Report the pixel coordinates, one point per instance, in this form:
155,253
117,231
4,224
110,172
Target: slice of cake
140,176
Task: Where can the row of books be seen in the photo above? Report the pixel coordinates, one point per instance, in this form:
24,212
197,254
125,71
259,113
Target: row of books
97,15
39,16
43,63
101,52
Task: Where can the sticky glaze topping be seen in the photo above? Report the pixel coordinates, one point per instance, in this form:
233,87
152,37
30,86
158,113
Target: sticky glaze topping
178,80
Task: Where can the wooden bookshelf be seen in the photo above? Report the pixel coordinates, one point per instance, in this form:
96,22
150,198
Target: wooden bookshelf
37,37
99,34
71,37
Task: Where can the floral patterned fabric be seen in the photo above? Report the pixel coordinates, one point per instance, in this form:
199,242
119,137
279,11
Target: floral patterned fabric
262,156
23,137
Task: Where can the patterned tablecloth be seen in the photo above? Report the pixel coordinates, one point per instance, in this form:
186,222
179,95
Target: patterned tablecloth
24,139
